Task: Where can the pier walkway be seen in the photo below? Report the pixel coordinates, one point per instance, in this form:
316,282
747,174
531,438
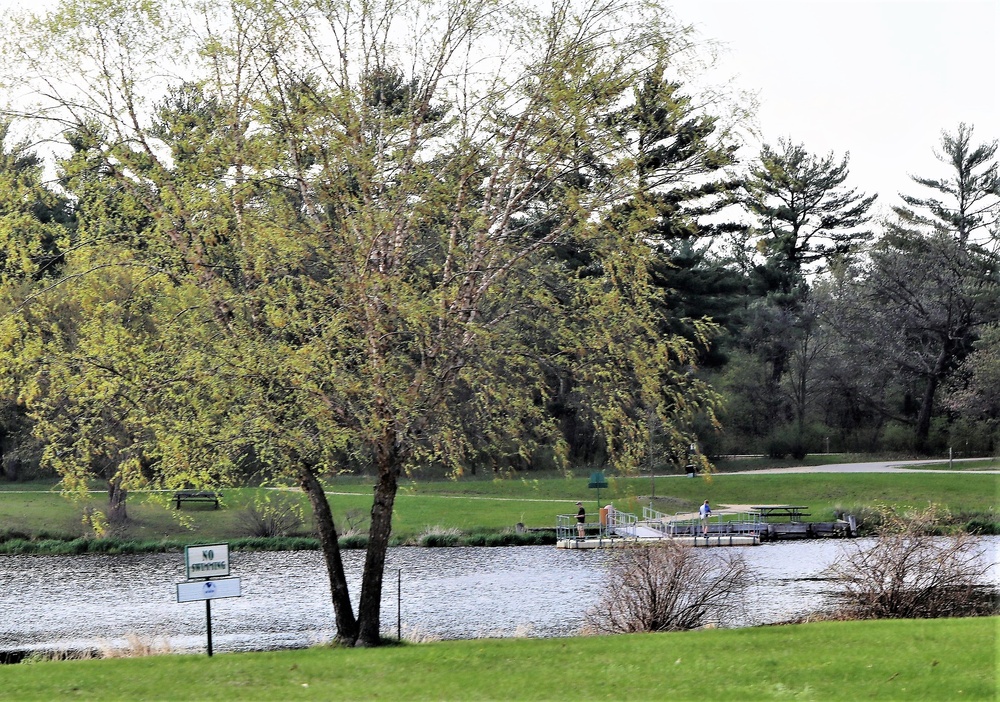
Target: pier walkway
615,528
741,525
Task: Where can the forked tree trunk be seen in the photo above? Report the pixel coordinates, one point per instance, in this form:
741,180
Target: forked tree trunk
347,625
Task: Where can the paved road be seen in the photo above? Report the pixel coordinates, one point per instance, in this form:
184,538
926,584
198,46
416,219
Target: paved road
887,467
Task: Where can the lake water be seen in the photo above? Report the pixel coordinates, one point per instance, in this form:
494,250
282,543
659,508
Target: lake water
79,602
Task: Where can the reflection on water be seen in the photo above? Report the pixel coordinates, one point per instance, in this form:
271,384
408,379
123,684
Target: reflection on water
68,602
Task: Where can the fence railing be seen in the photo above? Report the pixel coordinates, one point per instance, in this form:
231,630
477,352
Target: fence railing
610,524
683,523
615,524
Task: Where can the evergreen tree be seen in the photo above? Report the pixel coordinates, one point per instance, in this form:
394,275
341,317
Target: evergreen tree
967,201
805,222
804,214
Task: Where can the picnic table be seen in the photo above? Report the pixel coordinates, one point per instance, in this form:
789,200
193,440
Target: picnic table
196,496
793,512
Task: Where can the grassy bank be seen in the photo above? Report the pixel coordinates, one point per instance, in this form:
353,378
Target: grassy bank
486,511
944,659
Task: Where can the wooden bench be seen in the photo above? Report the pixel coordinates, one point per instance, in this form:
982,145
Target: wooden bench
196,496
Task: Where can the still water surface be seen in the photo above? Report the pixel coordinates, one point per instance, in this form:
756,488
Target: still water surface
70,602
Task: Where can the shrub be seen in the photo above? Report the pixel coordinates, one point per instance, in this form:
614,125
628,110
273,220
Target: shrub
502,539
354,541
668,587
777,447
910,573
357,521
13,534
898,437
271,515
476,540
439,536
17,546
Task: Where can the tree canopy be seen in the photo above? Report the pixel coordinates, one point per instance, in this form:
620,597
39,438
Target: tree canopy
289,240
335,241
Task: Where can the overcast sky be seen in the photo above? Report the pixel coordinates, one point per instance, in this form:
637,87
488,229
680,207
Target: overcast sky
877,78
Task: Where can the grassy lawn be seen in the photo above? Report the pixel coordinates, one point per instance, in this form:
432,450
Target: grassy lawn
943,659
478,504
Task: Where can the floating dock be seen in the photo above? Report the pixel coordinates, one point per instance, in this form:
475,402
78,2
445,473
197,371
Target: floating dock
724,528
703,541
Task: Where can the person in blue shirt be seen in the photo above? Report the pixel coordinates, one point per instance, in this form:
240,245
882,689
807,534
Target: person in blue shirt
704,512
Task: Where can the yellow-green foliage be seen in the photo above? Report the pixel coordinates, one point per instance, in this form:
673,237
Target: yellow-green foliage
308,254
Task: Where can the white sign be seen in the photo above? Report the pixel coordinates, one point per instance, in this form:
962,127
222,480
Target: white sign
209,561
208,590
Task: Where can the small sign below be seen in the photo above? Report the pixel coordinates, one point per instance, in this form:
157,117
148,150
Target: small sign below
208,561
208,590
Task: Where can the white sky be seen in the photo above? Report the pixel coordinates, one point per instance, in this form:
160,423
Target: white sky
877,78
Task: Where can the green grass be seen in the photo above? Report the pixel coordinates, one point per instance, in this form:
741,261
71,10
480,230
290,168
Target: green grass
478,505
943,659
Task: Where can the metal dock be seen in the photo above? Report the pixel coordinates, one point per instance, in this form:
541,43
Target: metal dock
614,528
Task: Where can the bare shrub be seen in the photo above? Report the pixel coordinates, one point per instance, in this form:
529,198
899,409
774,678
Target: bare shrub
357,521
60,655
271,515
908,572
137,646
414,634
668,587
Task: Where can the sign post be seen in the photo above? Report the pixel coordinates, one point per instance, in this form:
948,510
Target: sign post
207,562
597,480
208,625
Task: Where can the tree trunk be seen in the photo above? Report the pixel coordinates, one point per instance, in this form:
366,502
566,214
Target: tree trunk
370,607
927,403
347,625
117,495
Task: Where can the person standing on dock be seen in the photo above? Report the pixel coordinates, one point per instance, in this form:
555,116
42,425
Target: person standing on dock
704,511
581,517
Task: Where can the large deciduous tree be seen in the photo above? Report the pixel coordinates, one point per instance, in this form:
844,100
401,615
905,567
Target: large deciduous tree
915,314
975,391
354,213
932,283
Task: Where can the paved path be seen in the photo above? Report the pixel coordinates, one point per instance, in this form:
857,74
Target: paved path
879,467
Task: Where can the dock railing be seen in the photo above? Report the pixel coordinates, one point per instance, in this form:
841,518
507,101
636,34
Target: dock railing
611,524
623,525
681,523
